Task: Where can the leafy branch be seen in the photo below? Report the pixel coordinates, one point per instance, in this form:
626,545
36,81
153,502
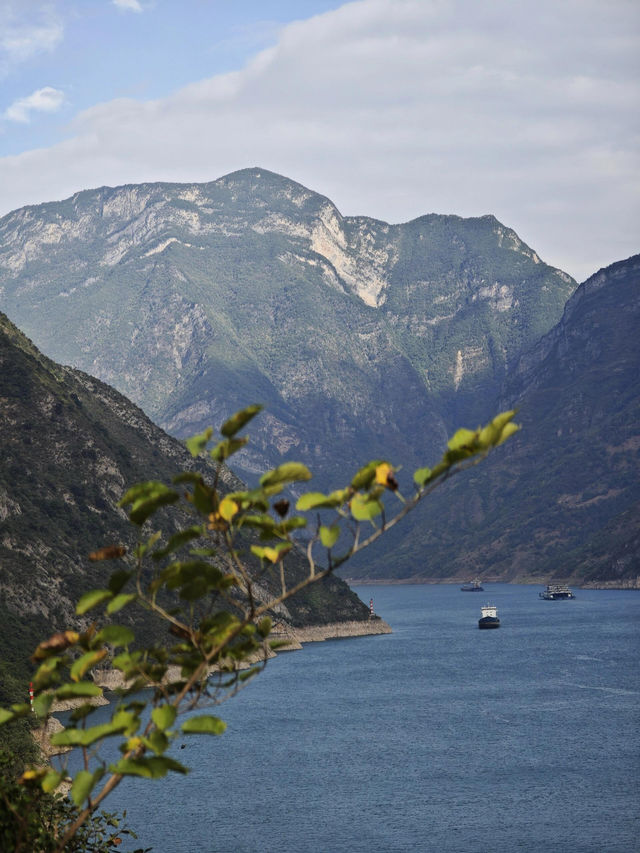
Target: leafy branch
215,584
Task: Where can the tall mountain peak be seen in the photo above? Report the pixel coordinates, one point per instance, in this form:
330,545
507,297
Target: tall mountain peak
197,299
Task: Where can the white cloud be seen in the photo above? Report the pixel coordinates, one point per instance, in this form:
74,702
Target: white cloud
128,5
26,31
395,108
45,100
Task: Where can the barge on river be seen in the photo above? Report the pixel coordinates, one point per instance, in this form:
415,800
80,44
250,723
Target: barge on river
472,586
556,591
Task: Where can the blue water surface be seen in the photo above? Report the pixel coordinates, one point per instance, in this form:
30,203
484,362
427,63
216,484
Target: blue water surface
438,737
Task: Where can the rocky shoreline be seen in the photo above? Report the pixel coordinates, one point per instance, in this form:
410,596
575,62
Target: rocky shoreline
336,630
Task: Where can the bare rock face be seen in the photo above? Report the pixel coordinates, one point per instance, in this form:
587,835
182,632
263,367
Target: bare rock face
197,299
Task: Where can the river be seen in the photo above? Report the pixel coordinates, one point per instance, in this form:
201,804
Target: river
438,737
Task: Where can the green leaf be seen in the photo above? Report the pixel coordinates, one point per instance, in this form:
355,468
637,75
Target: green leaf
164,716
154,767
422,476
85,737
178,540
140,491
462,439
120,601
206,725
82,712
364,508
261,522
116,635
42,703
329,535
126,721
508,430
316,500
92,599
488,436
157,741
203,498
366,475
127,663
83,664
237,421
84,783
273,554
197,443
51,781
501,420
226,448
311,500
248,673
122,721
81,688
21,709
288,472
142,510
294,523
264,627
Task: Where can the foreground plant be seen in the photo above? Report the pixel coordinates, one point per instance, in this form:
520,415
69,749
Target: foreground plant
215,584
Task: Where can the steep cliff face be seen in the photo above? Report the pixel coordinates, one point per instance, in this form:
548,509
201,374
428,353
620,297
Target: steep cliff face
70,447
561,499
361,338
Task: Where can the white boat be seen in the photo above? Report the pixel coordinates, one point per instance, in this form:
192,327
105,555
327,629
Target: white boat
489,618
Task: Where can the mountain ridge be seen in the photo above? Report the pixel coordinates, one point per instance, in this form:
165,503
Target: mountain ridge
562,499
195,300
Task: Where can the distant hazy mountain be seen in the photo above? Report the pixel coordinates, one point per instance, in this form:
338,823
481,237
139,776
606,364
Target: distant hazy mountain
361,338
562,498
69,448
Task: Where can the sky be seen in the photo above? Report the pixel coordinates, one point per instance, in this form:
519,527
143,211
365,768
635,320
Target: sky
525,109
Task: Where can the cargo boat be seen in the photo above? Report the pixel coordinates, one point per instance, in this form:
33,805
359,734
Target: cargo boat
556,591
489,618
472,586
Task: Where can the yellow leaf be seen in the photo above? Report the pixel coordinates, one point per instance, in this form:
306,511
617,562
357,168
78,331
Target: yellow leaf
382,473
228,508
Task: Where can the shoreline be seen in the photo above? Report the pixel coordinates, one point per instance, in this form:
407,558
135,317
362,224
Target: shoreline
631,584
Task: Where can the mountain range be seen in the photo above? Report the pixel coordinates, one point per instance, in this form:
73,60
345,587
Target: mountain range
194,300
363,340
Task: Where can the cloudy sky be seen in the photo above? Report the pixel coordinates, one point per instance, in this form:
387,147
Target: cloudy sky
527,109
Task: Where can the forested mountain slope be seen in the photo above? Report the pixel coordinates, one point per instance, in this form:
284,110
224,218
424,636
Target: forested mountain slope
70,447
563,498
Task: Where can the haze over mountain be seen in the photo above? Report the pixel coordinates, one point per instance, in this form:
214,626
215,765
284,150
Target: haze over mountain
361,338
